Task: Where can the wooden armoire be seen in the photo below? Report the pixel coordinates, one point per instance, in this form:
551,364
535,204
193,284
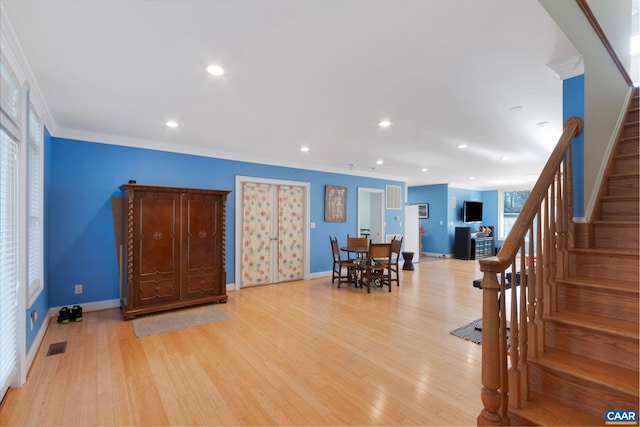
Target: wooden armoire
173,248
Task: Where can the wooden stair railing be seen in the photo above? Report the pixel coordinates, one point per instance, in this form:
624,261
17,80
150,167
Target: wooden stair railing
534,252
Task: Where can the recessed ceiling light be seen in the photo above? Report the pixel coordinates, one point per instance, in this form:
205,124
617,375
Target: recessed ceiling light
171,124
504,158
384,123
516,108
304,149
424,169
379,162
462,146
215,70
471,178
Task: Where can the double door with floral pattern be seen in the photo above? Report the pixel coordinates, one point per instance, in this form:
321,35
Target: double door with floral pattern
272,233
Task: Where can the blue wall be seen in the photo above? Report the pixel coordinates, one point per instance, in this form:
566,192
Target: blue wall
455,213
573,106
434,238
444,217
85,175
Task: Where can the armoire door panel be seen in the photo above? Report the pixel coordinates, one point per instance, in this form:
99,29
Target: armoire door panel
155,245
199,285
201,273
157,291
201,233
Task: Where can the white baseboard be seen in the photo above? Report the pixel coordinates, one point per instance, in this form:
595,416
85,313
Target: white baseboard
433,254
90,306
35,346
320,274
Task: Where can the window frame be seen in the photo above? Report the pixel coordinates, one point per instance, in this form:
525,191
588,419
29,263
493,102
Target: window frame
34,147
524,187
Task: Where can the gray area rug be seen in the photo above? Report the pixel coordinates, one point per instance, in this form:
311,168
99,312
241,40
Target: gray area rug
472,331
180,319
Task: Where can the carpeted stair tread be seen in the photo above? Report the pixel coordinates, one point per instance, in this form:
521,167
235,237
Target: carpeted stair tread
590,370
545,411
616,327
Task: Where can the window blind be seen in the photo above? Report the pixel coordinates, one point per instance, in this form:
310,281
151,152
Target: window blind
8,259
34,238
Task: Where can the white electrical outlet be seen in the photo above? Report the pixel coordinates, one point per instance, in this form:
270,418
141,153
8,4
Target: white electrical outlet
78,289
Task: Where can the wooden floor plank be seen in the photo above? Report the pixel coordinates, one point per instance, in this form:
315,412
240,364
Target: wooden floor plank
296,353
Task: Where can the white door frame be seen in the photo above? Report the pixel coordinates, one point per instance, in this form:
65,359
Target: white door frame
380,191
238,224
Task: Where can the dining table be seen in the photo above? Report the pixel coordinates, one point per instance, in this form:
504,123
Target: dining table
355,249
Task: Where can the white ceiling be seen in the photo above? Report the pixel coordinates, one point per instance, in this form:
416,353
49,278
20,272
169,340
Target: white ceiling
320,73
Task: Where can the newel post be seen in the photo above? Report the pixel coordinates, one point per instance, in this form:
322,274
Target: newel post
493,398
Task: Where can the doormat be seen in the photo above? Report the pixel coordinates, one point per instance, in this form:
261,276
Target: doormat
473,331
57,348
181,319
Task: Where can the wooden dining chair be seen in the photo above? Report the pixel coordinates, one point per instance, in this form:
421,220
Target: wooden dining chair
377,270
346,271
356,241
396,247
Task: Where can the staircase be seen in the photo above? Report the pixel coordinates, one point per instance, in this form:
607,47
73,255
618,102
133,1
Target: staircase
590,358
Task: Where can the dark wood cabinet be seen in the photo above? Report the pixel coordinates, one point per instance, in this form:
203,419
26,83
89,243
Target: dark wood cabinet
174,248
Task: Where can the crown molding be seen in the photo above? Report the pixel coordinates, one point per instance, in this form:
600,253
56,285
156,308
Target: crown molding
12,50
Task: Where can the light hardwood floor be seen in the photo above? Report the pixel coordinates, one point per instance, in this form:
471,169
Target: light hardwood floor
297,353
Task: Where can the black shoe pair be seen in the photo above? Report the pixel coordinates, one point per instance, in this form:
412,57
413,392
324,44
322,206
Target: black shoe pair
66,315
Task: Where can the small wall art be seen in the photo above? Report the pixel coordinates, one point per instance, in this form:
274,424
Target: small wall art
423,210
335,203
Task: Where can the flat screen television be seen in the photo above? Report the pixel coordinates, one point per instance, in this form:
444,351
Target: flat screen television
471,211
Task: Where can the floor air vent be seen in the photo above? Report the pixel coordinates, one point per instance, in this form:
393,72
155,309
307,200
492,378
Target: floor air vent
57,348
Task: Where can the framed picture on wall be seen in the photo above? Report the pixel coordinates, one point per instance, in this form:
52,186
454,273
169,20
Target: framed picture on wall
335,203
423,210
